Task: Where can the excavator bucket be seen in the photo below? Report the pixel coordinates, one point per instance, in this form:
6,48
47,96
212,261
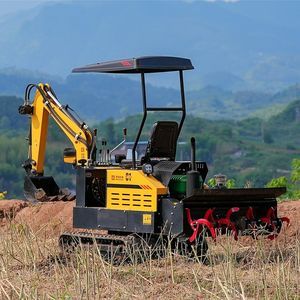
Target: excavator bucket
43,189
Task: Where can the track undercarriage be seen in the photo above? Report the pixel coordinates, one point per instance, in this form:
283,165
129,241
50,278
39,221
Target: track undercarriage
118,248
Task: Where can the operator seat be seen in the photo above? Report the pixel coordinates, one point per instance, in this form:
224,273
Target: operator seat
161,145
163,141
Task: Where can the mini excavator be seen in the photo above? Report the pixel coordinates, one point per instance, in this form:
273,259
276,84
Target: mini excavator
130,198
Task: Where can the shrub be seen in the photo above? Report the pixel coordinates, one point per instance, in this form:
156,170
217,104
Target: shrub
292,184
2,195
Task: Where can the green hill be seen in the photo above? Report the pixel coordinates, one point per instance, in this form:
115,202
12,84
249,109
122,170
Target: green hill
9,117
251,151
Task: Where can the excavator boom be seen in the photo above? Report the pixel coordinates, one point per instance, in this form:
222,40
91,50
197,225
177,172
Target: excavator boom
45,104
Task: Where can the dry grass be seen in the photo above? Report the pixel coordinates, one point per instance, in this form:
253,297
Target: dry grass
32,267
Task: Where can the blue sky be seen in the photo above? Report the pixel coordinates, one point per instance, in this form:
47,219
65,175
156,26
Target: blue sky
12,6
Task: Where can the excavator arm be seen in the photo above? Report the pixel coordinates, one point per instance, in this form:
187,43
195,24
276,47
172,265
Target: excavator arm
45,104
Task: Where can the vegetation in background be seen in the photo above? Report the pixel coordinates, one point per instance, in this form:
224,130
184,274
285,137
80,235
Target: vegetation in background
292,183
250,151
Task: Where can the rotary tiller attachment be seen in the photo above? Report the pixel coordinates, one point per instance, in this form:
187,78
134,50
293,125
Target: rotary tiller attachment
237,211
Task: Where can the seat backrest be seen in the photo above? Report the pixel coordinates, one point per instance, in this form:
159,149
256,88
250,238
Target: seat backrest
163,141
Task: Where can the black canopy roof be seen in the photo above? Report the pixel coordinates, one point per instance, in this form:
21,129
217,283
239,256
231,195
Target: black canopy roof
146,64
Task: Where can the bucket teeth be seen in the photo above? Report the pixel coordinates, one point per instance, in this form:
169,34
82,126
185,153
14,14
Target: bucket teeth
61,197
42,197
52,198
70,197
44,189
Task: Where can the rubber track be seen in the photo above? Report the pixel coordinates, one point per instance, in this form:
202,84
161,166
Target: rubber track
107,238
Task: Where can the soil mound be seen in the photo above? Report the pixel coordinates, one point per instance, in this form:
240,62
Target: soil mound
290,209
52,217
9,209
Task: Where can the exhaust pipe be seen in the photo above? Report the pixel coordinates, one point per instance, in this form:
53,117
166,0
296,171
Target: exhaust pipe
193,176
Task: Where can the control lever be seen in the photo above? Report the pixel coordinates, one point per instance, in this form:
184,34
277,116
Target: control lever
124,140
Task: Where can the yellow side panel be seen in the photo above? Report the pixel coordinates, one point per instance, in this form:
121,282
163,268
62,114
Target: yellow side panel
131,199
133,190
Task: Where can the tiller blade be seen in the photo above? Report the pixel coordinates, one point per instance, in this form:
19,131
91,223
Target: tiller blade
268,224
200,223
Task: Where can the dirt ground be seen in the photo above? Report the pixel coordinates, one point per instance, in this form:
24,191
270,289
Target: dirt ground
56,217
32,267
291,210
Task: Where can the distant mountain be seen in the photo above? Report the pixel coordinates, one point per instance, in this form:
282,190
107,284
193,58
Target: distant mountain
286,124
214,103
223,80
98,97
94,97
286,95
235,46
13,81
